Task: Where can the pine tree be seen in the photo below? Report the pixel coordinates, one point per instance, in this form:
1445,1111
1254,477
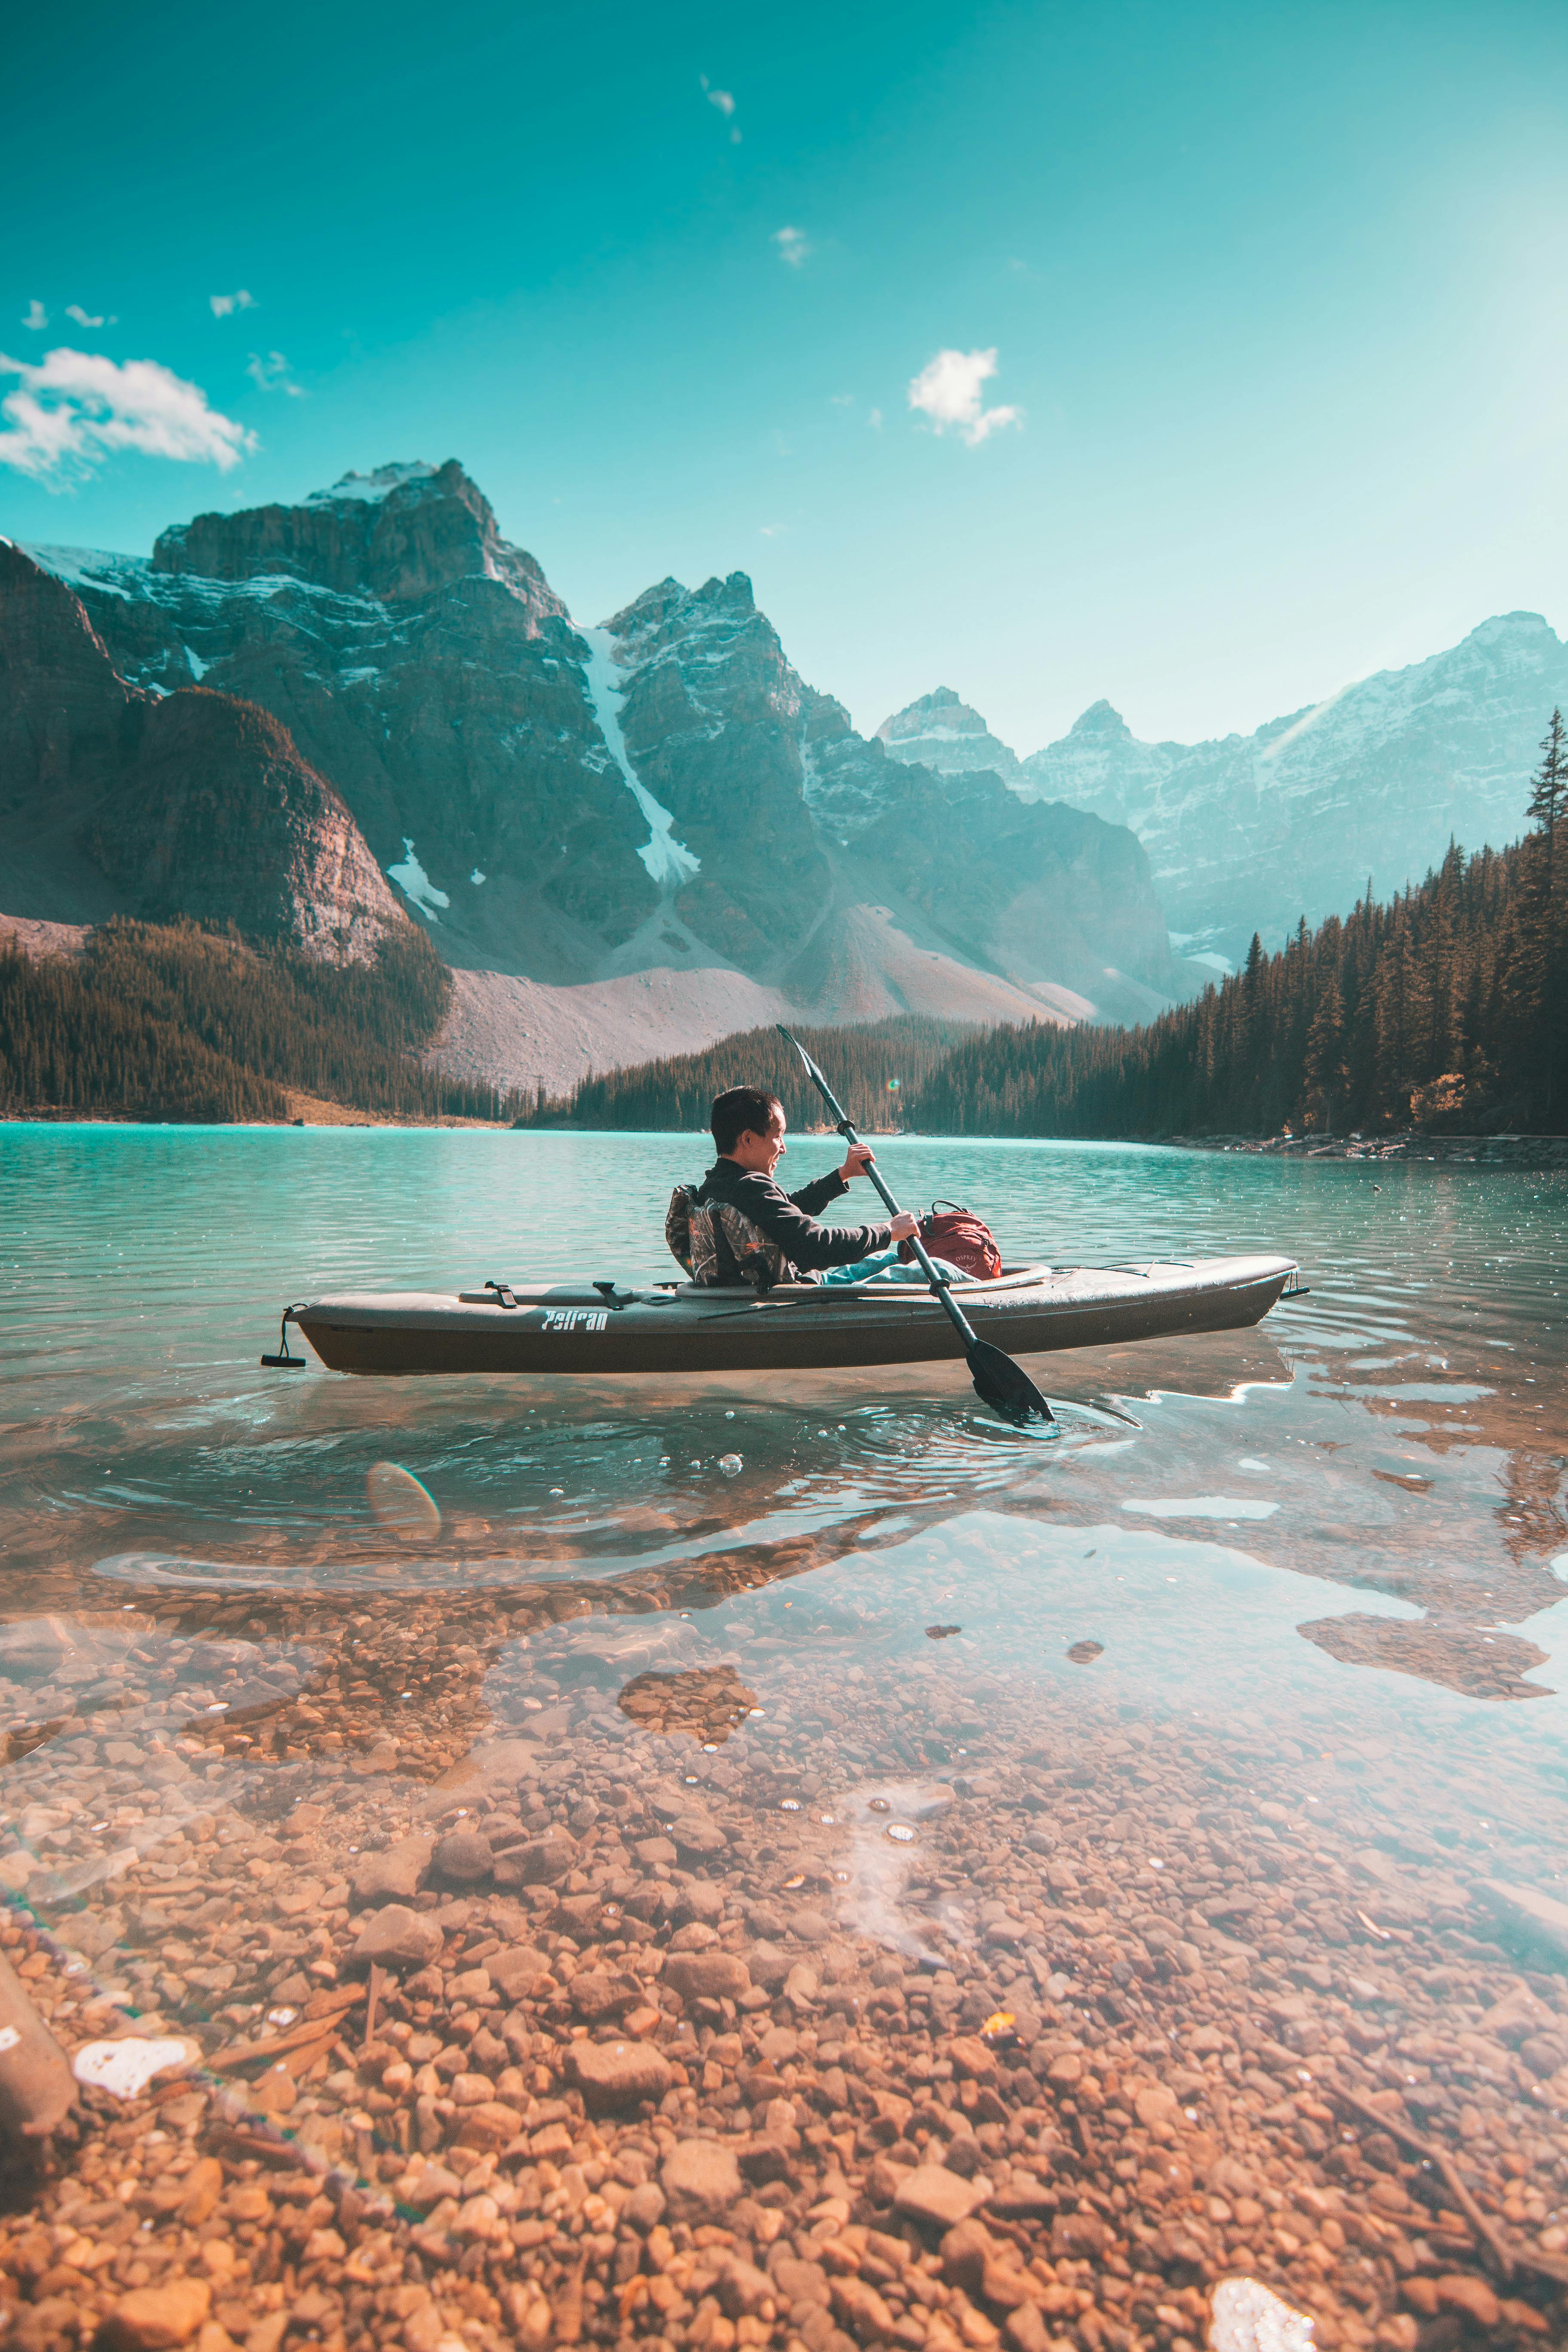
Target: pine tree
1323,1075
1549,785
1545,913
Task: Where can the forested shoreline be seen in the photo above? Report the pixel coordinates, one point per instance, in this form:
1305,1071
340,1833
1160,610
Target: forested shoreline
875,1069
184,1021
1443,1010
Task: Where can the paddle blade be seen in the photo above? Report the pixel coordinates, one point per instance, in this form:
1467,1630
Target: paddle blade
1004,1386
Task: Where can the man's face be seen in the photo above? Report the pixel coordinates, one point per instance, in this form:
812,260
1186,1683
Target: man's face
759,1155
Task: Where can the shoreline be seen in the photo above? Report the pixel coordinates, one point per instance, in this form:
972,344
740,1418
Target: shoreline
1509,1150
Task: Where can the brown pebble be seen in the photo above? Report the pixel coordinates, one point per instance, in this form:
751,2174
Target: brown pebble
397,1937
614,2074
700,2179
155,2318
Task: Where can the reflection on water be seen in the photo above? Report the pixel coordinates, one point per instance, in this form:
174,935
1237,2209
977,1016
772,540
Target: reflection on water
1180,1732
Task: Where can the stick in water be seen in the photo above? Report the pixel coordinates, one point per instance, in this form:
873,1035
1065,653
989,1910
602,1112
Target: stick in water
999,1383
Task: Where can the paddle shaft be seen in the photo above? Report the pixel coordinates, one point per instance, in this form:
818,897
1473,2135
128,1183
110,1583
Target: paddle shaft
939,1289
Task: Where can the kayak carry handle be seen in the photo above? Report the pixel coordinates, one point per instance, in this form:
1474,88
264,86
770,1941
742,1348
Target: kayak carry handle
285,1360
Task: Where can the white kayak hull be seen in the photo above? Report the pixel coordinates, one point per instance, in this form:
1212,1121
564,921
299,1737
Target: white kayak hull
579,1328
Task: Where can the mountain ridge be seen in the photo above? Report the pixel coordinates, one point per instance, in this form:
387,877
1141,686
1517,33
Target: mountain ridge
1253,832
658,809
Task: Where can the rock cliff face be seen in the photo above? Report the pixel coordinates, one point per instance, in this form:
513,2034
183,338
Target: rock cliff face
655,812
1253,832
68,727
193,803
400,534
221,819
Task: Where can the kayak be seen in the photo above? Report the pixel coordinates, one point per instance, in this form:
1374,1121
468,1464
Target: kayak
599,1326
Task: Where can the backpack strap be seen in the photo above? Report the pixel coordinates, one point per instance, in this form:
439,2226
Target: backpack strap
678,1226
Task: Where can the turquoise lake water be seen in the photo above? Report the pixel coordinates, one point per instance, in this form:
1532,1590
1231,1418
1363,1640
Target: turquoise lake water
1338,1540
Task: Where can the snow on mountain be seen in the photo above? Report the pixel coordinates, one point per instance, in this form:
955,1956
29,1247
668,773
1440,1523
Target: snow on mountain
372,486
652,823
667,860
1252,833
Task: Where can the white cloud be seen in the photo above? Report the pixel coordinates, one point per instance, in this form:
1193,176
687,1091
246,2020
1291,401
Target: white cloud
793,244
874,420
724,100
74,310
225,305
947,390
38,317
269,372
841,400
76,407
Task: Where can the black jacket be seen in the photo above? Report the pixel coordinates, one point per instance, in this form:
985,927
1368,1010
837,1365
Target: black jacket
788,1220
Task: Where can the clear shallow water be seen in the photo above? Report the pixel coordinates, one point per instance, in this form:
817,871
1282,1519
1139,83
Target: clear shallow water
1333,1549
1400,1432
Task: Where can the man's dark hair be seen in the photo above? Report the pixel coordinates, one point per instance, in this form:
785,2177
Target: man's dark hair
742,1107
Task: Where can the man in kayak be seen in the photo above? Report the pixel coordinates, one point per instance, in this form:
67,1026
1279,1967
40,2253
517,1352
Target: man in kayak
741,1227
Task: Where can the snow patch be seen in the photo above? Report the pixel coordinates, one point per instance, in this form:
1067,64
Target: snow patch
89,567
371,488
415,884
198,668
668,861
476,876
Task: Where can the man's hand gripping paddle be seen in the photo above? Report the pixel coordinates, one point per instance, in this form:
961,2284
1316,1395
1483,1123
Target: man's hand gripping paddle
998,1380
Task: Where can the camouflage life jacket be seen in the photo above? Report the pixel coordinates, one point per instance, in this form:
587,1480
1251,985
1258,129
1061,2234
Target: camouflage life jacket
715,1245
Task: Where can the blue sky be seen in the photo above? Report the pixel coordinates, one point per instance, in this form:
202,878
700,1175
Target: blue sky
1275,297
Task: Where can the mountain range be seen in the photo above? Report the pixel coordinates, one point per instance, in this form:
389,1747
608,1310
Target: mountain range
1253,832
323,720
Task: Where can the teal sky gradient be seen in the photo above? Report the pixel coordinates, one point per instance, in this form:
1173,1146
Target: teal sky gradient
1281,293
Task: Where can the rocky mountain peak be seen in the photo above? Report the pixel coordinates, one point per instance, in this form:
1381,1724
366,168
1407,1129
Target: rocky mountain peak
1504,625
1249,833
1102,719
401,534
657,814
941,708
947,736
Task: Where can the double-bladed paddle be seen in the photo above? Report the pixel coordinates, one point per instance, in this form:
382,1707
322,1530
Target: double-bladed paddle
998,1380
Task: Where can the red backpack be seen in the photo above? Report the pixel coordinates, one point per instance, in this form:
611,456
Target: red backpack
958,1236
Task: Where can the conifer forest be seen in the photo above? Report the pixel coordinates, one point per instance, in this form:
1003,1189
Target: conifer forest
1445,1008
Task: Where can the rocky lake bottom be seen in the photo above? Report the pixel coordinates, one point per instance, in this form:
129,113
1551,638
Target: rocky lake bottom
810,1869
